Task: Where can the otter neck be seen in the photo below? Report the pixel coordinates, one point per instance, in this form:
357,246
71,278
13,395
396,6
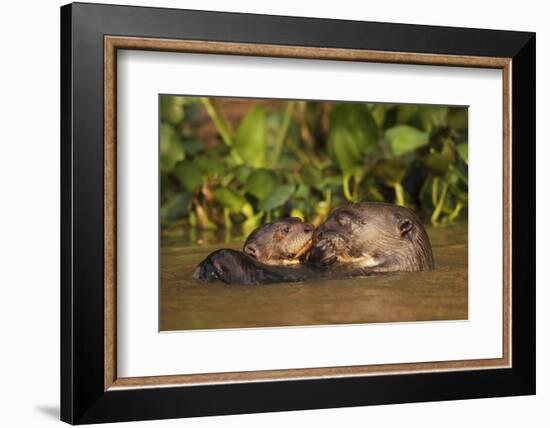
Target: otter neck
410,258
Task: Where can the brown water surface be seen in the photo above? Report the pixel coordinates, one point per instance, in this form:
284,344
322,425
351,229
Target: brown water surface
425,296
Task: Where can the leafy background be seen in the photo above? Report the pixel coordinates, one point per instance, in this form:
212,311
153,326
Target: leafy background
229,163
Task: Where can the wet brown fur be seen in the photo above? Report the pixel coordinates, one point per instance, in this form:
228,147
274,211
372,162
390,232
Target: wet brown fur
282,242
374,237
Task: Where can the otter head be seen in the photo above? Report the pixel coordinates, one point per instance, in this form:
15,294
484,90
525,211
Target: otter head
229,266
282,242
374,236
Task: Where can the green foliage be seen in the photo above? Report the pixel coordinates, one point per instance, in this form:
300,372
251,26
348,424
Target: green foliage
353,135
250,140
390,171
404,139
171,151
261,183
242,173
211,166
189,175
230,199
171,109
175,208
221,167
462,150
437,164
433,116
276,198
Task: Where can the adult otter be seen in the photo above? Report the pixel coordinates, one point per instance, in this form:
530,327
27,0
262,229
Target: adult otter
282,242
369,237
234,267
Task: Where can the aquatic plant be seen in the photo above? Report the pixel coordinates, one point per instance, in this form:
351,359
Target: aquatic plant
227,162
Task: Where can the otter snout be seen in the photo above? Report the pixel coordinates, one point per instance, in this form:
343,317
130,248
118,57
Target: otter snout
322,254
326,247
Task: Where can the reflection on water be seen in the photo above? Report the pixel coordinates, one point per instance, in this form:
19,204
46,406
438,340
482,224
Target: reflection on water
189,304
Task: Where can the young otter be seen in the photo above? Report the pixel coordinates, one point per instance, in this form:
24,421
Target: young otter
282,242
372,237
235,267
267,251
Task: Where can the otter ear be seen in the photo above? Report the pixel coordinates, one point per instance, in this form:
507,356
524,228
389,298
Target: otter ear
405,226
343,219
251,250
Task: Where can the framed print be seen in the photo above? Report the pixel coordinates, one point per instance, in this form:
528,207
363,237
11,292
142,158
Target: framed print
320,213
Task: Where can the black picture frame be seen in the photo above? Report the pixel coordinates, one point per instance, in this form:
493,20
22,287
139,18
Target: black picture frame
83,398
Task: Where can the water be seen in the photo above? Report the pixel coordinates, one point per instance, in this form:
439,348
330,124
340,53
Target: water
441,294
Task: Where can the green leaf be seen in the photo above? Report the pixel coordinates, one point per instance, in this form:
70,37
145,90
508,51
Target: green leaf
193,147
378,112
344,150
175,208
230,199
250,139
433,116
171,109
462,150
353,135
276,198
357,119
390,171
241,173
211,165
437,164
404,139
261,183
171,150
302,192
189,175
